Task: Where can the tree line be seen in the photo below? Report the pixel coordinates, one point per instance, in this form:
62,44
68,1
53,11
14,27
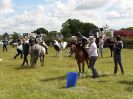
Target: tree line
69,28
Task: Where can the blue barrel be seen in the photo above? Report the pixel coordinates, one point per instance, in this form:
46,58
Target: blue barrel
71,79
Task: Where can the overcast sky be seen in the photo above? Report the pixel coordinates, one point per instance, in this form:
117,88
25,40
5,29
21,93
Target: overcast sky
28,15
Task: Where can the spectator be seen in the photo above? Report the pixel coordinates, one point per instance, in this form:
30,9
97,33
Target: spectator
5,43
117,55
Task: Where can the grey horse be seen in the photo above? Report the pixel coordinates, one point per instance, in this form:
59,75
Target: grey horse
37,51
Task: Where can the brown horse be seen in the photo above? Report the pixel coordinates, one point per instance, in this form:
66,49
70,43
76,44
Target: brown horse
81,56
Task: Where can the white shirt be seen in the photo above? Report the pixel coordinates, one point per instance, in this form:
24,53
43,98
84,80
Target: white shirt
20,47
93,50
101,43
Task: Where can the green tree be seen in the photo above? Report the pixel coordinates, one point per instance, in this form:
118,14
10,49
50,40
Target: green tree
129,28
89,28
5,35
15,36
72,26
41,31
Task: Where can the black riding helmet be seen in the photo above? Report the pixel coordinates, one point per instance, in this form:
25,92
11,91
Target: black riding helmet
78,34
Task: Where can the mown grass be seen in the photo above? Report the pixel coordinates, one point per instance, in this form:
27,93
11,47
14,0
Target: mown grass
49,81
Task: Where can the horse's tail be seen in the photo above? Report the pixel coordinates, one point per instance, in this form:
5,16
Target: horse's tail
36,53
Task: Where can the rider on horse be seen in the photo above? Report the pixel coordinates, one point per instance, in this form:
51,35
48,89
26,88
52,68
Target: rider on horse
38,40
81,40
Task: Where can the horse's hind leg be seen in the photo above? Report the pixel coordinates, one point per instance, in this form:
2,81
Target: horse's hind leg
31,62
111,50
42,60
83,71
79,67
83,67
87,62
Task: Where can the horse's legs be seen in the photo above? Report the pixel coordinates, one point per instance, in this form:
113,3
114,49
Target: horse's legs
79,67
32,63
83,66
87,63
111,50
42,60
57,53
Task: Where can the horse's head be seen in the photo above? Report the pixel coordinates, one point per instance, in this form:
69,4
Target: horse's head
75,47
109,41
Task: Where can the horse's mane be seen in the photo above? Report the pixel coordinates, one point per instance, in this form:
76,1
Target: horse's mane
80,48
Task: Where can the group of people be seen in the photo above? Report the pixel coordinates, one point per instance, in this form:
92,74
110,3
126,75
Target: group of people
23,47
93,52
24,44
23,50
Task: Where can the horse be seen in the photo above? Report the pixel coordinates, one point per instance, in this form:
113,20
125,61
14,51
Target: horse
64,45
81,57
110,44
37,51
69,50
56,46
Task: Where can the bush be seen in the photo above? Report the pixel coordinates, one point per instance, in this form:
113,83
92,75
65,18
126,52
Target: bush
128,42
48,40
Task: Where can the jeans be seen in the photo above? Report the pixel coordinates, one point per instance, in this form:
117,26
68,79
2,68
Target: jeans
118,60
25,59
92,65
101,51
4,47
19,52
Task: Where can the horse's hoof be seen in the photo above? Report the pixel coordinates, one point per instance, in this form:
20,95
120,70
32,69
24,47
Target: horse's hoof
80,75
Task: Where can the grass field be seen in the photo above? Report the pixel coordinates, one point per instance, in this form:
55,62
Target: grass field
49,81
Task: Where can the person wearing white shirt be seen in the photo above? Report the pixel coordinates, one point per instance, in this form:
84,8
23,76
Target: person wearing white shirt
19,49
101,43
93,56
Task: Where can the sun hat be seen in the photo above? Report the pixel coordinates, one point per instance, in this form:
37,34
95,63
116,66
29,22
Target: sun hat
91,39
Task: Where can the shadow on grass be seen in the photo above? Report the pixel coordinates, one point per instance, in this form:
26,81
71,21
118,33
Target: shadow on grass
54,78
130,89
105,75
107,62
11,65
22,68
63,87
126,82
54,56
129,83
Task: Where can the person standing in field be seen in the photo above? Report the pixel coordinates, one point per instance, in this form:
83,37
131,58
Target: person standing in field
26,48
101,44
117,55
93,56
5,43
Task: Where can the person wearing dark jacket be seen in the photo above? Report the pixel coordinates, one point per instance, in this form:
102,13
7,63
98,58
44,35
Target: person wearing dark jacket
25,51
117,55
5,43
81,40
